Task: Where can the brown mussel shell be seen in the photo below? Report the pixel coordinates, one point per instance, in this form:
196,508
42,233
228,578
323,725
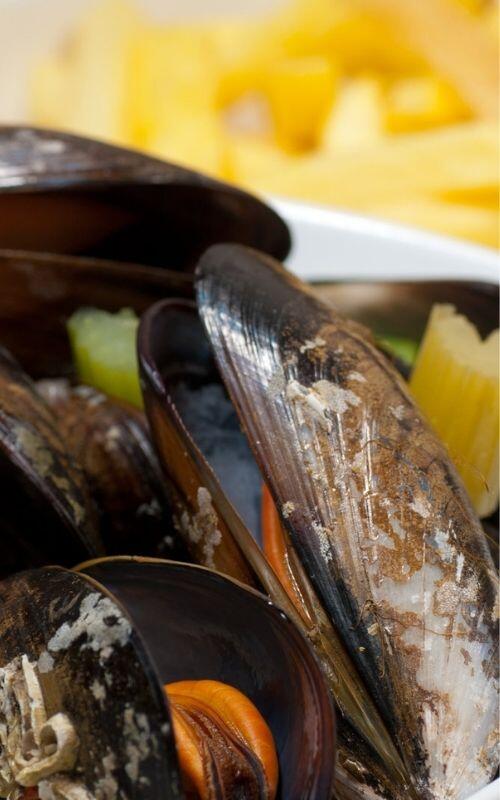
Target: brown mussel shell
120,205
402,308
105,640
109,439
47,512
374,508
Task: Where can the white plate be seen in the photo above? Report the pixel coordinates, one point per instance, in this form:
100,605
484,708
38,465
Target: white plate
332,244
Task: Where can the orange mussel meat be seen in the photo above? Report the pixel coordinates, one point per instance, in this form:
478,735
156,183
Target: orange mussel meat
224,745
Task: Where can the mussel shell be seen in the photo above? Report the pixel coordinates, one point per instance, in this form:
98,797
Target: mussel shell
198,624
110,441
94,667
200,444
41,291
106,640
171,341
118,204
402,308
47,513
370,499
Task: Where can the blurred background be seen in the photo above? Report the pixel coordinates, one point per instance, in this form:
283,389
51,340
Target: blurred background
386,107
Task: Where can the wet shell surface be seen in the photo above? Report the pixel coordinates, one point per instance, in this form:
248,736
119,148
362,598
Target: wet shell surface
92,659
110,441
375,510
118,204
47,512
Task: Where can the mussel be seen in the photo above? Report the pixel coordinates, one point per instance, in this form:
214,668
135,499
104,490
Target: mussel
392,568
120,205
85,656
42,485
110,441
258,396
79,199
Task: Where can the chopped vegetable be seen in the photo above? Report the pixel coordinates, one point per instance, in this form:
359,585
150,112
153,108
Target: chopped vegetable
455,381
104,351
400,346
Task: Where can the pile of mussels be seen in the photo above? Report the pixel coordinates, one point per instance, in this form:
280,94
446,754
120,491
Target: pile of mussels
130,542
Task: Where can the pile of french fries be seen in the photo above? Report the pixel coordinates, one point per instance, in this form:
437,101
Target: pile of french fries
387,107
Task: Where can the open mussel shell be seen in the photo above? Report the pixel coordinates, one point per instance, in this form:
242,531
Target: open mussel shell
173,352
92,684
120,205
41,291
47,512
205,455
374,508
402,308
105,641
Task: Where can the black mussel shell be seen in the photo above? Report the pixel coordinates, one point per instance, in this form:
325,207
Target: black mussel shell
121,205
47,512
104,641
200,444
212,627
374,507
94,668
171,343
41,291
110,441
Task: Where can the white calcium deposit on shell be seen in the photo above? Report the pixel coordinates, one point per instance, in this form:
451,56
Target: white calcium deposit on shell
320,400
139,741
102,624
202,526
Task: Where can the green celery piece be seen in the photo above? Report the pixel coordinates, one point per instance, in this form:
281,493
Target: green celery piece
402,347
104,351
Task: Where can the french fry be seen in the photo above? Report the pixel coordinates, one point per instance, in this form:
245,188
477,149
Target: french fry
459,158
97,71
301,93
418,103
245,51
480,225
477,197
172,74
454,43
343,29
357,119
49,91
196,141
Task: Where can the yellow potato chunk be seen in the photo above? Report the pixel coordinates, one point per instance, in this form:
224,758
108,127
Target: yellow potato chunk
455,382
